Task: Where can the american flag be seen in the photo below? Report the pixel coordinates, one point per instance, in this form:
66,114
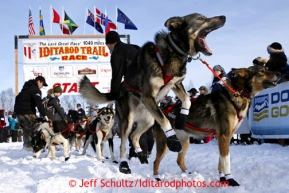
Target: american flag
30,24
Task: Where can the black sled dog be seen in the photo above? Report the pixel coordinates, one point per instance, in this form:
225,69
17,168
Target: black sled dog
219,113
158,68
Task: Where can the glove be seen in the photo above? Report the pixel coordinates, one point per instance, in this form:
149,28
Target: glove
46,118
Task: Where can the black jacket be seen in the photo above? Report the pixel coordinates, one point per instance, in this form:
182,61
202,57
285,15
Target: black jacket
53,101
121,56
81,113
28,99
277,63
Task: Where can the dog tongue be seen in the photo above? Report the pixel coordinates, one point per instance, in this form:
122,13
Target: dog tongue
204,43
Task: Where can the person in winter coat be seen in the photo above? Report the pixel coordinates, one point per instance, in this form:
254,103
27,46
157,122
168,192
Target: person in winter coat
122,55
80,111
26,102
217,84
54,109
3,130
14,125
278,59
203,90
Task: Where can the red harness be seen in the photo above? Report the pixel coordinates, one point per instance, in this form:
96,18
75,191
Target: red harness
188,125
166,77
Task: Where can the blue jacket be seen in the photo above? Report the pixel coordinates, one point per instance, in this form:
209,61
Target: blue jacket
12,123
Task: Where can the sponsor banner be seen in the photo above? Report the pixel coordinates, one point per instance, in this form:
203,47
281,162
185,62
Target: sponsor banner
65,50
269,113
68,76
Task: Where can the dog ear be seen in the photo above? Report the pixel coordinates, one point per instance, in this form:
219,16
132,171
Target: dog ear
42,136
241,72
174,23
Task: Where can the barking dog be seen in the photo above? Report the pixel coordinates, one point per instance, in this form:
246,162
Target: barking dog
42,139
99,132
158,67
221,113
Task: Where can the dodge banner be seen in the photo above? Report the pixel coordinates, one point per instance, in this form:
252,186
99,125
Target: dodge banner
269,113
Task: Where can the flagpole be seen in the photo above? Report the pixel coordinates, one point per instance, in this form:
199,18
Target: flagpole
85,15
50,20
39,18
63,20
94,13
116,19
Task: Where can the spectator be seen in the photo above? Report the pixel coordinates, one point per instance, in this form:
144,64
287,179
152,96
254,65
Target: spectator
26,102
3,130
192,92
278,59
93,113
80,111
259,61
14,125
203,90
217,84
54,110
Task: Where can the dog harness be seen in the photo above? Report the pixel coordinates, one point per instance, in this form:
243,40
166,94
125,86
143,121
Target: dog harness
166,77
168,113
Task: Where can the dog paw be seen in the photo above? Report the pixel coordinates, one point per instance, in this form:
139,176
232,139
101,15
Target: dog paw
232,182
124,168
142,157
174,144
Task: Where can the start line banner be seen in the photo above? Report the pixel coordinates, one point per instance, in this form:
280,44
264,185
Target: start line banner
65,50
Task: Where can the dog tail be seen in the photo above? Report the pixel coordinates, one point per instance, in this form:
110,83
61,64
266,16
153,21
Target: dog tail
91,93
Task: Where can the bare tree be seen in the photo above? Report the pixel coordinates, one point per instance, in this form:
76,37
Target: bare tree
7,99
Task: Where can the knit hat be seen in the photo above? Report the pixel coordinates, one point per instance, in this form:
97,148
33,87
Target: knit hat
193,90
112,37
57,89
218,67
275,48
78,105
259,61
203,88
10,113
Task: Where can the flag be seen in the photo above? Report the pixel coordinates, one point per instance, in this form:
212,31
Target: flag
41,26
100,18
122,18
31,30
90,21
107,28
57,19
70,23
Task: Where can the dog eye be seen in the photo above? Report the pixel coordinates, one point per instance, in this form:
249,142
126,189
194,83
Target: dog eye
201,18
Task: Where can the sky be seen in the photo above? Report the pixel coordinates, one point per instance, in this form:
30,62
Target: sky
251,26
257,168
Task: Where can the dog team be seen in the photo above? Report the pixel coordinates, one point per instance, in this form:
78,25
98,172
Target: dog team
149,73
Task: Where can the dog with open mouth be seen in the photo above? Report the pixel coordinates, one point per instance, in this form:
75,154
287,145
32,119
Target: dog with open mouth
158,67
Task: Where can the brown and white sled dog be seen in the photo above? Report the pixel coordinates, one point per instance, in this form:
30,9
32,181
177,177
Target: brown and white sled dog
221,113
99,132
157,68
42,138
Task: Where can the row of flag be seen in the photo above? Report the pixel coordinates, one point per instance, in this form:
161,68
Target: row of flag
68,26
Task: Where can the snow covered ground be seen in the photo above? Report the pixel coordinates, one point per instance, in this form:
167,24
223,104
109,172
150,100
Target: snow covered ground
258,168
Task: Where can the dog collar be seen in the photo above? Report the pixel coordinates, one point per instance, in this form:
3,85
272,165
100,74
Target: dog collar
176,48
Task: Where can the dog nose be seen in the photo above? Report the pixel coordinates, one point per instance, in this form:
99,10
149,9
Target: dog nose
222,17
108,117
